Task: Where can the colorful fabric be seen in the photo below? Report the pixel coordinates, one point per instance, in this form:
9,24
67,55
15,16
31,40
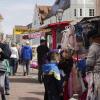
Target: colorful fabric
7,66
69,38
81,64
51,69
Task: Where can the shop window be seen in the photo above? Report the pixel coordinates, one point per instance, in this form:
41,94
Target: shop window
91,12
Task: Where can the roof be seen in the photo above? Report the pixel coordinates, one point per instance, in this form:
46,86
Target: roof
21,27
43,11
89,19
29,25
56,25
1,17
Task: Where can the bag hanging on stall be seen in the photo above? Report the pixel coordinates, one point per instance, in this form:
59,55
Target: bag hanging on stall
69,38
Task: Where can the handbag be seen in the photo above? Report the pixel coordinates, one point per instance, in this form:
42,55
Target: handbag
34,64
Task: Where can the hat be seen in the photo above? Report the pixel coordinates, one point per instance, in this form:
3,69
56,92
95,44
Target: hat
42,40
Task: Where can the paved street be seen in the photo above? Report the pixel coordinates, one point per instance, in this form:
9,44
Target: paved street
25,87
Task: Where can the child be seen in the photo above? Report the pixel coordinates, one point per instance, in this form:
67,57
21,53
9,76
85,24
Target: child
65,65
51,78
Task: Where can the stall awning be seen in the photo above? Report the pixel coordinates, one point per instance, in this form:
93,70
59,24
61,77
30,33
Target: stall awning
61,24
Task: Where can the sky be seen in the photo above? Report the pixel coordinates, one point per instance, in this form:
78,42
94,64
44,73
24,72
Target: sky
18,12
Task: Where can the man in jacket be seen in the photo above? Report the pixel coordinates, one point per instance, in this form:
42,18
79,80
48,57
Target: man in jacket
42,49
26,56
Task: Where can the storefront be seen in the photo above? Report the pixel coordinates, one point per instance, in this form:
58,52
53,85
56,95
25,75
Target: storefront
54,31
50,30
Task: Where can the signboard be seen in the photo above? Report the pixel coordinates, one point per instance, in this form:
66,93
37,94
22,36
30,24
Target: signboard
33,35
20,29
16,31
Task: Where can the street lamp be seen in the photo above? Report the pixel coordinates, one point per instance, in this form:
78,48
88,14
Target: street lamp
59,14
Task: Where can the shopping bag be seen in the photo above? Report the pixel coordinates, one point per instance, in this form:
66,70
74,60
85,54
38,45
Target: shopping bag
34,64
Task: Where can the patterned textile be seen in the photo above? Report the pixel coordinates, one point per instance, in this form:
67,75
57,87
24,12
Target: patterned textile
69,38
93,80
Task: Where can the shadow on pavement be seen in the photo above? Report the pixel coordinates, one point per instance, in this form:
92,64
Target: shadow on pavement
37,93
23,80
28,98
21,74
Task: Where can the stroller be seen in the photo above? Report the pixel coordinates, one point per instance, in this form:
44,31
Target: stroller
2,84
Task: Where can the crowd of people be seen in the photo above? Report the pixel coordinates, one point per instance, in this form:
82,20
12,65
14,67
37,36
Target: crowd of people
67,74
10,57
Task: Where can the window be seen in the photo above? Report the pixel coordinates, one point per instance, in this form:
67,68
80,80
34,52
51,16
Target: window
80,12
91,12
74,12
34,22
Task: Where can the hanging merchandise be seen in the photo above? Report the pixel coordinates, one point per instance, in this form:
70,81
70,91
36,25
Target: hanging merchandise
69,38
87,28
81,35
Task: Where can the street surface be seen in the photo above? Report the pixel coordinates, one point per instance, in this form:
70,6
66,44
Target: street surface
25,87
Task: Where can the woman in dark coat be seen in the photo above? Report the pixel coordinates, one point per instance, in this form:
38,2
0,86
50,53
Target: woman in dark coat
65,66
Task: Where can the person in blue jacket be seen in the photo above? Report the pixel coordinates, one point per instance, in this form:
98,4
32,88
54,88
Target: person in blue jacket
26,56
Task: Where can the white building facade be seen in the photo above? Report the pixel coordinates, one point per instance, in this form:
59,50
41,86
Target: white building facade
36,19
40,12
77,10
1,19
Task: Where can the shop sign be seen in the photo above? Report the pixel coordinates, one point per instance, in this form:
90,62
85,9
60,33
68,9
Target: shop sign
35,35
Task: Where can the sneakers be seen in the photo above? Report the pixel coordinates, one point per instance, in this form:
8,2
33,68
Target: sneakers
24,74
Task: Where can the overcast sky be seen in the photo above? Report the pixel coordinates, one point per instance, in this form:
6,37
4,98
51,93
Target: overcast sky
18,12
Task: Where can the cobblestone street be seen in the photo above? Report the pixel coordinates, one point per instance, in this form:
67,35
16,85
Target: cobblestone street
25,87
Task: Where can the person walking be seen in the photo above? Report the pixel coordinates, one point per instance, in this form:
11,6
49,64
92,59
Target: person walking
42,49
65,65
26,56
14,58
4,54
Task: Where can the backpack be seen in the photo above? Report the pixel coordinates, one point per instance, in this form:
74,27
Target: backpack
6,51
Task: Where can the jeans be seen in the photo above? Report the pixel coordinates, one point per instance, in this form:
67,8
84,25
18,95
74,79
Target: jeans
26,66
7,82
13,63
40,74
2,85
